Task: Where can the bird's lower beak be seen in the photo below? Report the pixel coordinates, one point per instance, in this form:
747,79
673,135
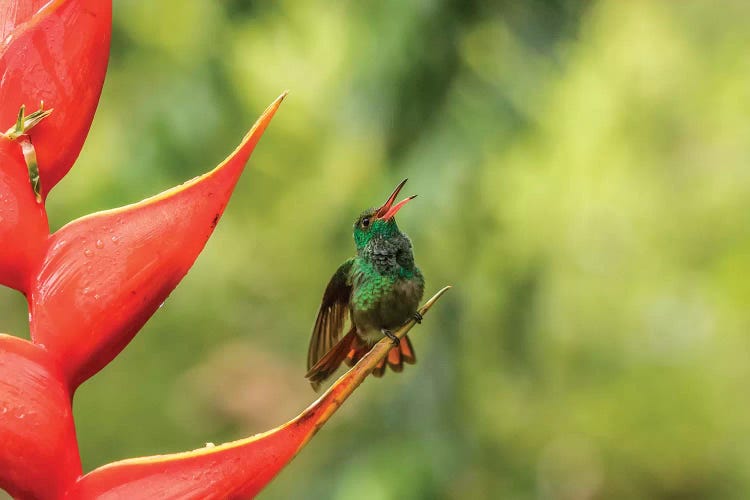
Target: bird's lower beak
388,210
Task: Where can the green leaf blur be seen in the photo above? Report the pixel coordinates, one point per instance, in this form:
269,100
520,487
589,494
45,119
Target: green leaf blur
583,172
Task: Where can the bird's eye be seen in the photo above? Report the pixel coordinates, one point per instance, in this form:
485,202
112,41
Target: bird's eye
365,222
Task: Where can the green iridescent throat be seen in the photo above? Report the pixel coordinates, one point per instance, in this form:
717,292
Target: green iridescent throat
380,228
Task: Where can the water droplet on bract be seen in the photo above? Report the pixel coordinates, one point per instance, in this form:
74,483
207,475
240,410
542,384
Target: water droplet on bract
88,252
86,291
115,239
29,317
96,296
99,244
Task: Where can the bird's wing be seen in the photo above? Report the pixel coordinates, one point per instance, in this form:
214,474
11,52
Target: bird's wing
332,314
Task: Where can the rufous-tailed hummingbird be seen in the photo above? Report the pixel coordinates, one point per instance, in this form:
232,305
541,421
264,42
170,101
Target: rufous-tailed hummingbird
380,288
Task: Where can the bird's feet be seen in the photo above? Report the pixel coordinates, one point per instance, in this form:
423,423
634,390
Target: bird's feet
396,341
417,317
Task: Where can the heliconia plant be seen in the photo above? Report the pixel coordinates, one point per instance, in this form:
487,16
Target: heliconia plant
92,284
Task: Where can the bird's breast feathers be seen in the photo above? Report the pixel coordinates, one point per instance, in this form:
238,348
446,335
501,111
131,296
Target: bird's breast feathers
382,301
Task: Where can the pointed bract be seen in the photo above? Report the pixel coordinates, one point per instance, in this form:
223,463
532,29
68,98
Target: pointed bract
58,57
104,275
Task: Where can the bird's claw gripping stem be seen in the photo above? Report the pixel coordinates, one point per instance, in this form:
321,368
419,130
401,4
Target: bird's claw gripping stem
418,317
396,341
19,133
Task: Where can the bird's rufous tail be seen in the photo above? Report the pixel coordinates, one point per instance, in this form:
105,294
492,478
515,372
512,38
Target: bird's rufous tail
397,356
350,349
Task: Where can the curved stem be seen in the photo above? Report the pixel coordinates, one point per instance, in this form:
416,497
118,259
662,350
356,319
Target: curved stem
239,469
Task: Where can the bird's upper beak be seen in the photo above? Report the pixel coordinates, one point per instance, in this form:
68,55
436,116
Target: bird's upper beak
388,210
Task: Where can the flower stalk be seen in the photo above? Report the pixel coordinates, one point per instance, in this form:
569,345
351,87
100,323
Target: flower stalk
20,133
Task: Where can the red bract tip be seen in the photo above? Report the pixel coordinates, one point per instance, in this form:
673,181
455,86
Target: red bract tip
104,275
56,55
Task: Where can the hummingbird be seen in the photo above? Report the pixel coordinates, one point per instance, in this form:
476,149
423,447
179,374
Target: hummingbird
380,288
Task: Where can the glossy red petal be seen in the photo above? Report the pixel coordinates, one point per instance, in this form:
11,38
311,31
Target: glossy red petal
38,451
234,470
23,221
104,275
58,56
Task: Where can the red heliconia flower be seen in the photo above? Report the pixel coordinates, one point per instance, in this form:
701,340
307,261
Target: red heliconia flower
94,283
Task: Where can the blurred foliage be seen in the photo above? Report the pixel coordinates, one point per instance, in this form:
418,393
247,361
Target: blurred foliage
583,177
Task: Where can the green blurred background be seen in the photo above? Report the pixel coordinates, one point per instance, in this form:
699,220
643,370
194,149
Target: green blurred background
583,180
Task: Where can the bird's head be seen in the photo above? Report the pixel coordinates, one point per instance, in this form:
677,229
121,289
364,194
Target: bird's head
379,222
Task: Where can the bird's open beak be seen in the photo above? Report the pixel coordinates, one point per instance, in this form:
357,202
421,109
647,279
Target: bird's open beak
388,210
